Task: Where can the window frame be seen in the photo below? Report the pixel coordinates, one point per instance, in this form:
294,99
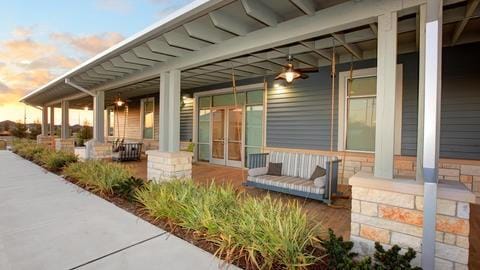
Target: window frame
343,99
111,109
142,119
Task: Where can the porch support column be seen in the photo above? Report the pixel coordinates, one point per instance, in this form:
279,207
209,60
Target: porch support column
386,81
163,112
174,111
168,162
44,121
431,136
65,120
52,121
98,117
421,91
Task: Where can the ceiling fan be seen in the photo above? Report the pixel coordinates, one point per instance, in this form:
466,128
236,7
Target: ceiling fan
290,73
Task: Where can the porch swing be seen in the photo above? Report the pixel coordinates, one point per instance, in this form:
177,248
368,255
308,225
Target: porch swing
293,179
121,150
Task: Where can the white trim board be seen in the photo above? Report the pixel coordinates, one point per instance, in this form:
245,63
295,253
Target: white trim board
342,83
243,88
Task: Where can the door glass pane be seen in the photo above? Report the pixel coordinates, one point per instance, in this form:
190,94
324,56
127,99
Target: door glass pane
204,152
148,119
255,97
204,102
363,86
111,122
361,124
235,134
204,126
218,133
254,125
228,99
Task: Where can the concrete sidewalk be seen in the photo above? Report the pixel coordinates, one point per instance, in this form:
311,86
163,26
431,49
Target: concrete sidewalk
49,223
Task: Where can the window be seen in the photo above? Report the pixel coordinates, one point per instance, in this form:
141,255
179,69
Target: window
357,102
111,121
148,112
360,106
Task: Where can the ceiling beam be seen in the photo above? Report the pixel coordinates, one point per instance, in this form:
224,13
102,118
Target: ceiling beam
311,45
374,28
93,74
110,67
229,24
160,45
205,30
470,9
307,6
257,10
351,48
179,38
337,18
144,52
119,62
102,70
130,57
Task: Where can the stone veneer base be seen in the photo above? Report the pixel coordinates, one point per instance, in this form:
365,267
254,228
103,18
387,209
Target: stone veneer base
67,145
97,150
391,212
165,166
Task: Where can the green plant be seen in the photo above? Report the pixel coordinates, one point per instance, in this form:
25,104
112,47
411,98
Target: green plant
55,161
97,175
127,189
339,252
191,147
262,232
392,259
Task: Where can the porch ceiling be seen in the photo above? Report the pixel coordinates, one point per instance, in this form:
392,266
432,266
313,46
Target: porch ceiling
203,25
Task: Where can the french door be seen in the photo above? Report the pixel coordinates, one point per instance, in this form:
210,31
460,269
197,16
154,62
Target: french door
227,136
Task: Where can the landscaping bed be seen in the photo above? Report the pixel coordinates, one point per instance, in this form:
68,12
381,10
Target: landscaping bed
252,233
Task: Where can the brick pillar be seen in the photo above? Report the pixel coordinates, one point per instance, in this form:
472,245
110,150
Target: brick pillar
67,145
164,166
97,150
391,212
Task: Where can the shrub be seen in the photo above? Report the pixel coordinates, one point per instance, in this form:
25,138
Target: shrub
128,188
340,256
263,232
97,175
54,160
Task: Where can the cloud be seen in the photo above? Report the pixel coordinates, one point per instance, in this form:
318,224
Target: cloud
118,6
167,7
89,44
3,87
23,31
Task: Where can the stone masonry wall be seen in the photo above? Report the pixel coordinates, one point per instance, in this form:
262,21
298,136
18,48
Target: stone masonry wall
164,166
67,145
397,218
46,141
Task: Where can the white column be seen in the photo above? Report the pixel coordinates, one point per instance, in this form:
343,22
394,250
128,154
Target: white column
52,121
174,111
44,121
431,136
386,81
421,91
163,112
99,117
65,120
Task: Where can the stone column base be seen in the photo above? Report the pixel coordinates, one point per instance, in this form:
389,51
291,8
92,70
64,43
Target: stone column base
165,166
391,212
46,141
67,145
97,150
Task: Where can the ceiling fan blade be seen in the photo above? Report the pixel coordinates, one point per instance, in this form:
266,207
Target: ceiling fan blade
307,70
304,76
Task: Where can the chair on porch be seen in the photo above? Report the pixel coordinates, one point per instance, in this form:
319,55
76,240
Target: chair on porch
126,151
296,171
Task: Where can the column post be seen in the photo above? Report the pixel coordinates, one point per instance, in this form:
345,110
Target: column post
52,121
431,135
386,82
44,121
421,91
174,111
98,117
163,112
65,120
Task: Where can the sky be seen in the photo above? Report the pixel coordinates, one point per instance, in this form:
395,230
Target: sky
41,40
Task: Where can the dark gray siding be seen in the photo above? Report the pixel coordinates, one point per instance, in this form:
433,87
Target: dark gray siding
300,117
186,121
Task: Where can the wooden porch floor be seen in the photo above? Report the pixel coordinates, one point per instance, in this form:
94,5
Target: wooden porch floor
336,217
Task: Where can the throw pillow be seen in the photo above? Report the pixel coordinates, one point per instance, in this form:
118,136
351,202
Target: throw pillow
318,172
274,169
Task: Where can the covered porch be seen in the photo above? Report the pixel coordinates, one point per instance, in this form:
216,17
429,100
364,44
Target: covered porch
175,78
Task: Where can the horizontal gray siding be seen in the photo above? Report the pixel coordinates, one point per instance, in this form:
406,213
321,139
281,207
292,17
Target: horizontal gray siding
186,121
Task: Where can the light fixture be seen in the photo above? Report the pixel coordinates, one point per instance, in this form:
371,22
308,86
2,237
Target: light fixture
289,73
119,102
86,108
187,96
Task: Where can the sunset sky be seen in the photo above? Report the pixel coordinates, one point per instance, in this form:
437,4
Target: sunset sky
40,40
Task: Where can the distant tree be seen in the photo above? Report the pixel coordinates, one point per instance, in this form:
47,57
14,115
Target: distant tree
20,130
35,130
